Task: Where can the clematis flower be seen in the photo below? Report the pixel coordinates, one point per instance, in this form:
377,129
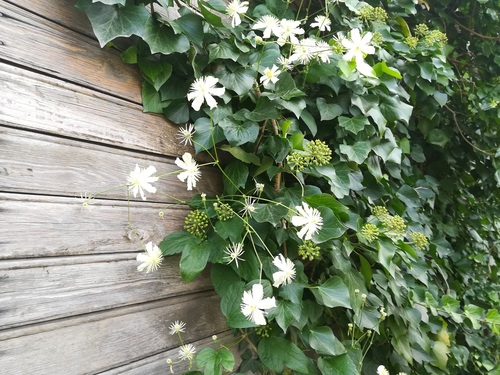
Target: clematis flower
140,179
185,134
285,63
191,172
254,304
249,206
323,51
269,24
187,352
234,9
304,51
357,48
309,219
151,260
202,90
270,75
381,370
234,252
286,272
322,23
289,29
177,327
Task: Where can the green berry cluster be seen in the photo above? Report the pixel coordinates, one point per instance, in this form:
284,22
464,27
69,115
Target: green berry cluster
430,38
380,212
263,330
411,41
370,232
395,225
419,240
309,250
421,30
370,14
224,211
298,160
377,39
196,223
320,152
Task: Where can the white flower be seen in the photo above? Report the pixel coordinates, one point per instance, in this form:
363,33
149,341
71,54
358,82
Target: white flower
323,51
285,63
402,373
270,24
270,75
187,352
304,51
140,179
151,260
191,170
234,252
86,200
322,23
185,135
309,219
381,370
234,9
253,304
286,272
357,48
177,327
259,187
202,89
289,29
249,207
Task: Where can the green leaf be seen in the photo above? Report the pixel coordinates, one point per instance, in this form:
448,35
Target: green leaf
242,155
111,21
269,55
332,293
327,200
386,251
240,81
493,319
324,342
339,365
230,229
151,99
264,110
230,306
178,242
206,134
223,51
354,124
193,260
276,353
438,137
110,2
332,227
382,67
394,109
328,111
129,56
239,132
278,147
191,25
155,72
475,314
441,351
358,152
177,111
285,313
452,307
338,178
269,213
213,361
235,176
223,277
210,17
162,39
309,121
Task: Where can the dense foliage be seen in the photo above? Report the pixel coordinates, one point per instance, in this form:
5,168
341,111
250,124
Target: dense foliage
359,147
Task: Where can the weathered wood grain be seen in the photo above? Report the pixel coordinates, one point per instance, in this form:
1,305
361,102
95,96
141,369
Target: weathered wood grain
38,290
102,341
38,226
156,364
57,51
41,164
33,101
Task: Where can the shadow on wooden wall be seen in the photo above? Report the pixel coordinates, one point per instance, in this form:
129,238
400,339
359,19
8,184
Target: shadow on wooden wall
71,300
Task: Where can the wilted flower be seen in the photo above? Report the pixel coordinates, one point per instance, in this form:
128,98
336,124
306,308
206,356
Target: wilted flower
322,23
259,187
253,304
269,24
177,327
191,172
249,206
234,251
151,260
270,75
185,135
187,352
234,9
140,179
286,272
202,89
357,47
309,219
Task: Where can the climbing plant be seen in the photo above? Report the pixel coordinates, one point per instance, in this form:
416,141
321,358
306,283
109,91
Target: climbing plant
358,143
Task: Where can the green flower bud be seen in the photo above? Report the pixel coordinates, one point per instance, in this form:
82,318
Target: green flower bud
370,232
196,223
421,30
395,225
419,240
309,250
380,212
411,41
319,151
224,211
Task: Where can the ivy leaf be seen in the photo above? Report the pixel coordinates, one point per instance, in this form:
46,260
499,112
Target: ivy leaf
264,110
278,147
240,81
332,227
241,154
285,313
206,134
394,109
162,39
210,17
386,251
354,124
438,137
474,314
151,99
332,293
230,229
441,351
212,361
358,152
239,132
191,25
324,342
339,365
276,353
328,111
338,178
193,260
111,21
177,111
223,51
177,242
269,213
235,176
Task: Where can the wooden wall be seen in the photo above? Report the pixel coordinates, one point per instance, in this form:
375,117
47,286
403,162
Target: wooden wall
71,299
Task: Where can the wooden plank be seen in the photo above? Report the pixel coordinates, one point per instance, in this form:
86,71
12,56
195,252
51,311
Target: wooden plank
38,290
62,12
41,164
38,226
33,101
57,51
156,364
102,341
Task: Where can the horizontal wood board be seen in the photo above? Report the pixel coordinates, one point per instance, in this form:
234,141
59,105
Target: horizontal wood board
71,122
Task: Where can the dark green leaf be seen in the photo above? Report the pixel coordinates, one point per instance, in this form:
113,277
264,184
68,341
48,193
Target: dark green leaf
177,111
236,174
332,293
222,51
264,110
324,342
207,135
339,365
239,132
394,109
162,39
328,111
242,155
193,260
276,353
240,81
269,213
177,242
358,152
191,25
354,124
151,99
